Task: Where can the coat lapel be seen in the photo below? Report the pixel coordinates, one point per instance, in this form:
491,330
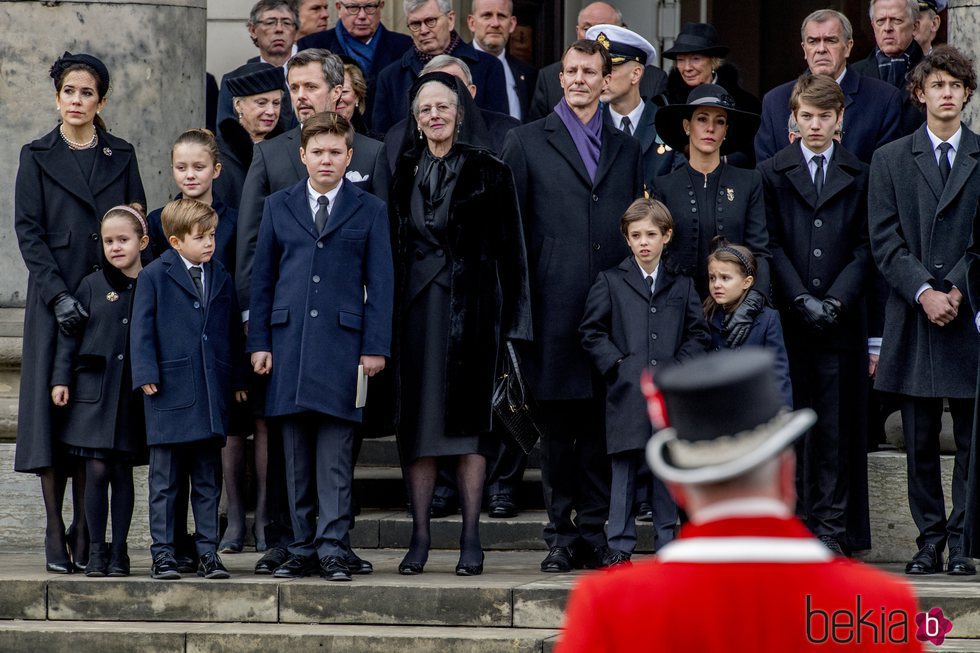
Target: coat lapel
925,159
634,277
345,206
59,164
611,144
110,162
299,207
798,173
561,140
963,165
646,131
838,176
292,145
178,272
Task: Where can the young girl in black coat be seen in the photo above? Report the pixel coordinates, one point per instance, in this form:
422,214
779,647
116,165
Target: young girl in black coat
731,274
104,421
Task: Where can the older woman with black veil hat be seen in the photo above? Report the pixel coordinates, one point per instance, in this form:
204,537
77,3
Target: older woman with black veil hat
66,181
461,291
708,197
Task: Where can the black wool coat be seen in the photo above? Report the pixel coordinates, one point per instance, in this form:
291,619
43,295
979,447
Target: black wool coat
626,329
740,216
57,213
104,412
235,155
920,231
572,227
819,246
489,295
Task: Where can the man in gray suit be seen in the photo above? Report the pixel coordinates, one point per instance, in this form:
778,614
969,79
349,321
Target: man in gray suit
922,203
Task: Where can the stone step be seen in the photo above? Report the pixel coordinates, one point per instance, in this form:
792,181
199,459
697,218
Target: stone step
154,637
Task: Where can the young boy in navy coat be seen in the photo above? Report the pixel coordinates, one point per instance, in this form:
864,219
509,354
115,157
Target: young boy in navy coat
639,315
321,304
185,346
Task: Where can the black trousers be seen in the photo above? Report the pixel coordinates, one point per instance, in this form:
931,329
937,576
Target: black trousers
319,474
202,462
574,472
922,422
626,472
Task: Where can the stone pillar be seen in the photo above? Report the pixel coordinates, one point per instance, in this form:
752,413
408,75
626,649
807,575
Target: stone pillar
154,50
964,33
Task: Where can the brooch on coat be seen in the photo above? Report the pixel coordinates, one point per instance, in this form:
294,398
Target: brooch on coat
112,296
730,194
107,151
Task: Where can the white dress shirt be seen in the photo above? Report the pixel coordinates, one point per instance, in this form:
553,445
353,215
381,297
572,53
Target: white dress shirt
312,196
189,265
513,100
634,116
808,155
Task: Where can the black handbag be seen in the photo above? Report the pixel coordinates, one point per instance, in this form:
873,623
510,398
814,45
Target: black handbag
512,403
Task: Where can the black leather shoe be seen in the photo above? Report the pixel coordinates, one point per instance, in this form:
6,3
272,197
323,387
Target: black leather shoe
614,557
164,567
586,556
442,506
333,568
98,560
502,506
958,564
407,568
644,512
210,567
471,570
558,560
118,561
832,543
927,561
296,566
357,564
270,560
185,554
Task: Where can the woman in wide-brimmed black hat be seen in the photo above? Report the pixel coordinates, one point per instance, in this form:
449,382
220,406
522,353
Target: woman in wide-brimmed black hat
709,197
700,59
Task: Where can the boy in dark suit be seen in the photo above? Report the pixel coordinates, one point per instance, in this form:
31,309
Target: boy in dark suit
322,245
638,315
922,203
185,345
816,210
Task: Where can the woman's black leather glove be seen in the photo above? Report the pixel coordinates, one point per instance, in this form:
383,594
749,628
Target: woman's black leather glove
737,325
71,315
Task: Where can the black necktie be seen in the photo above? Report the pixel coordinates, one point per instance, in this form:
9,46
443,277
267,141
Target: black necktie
650,283
627,126
944,166
818,175
196,273
321,213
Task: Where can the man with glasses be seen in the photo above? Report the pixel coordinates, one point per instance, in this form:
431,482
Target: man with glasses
433,27
361,36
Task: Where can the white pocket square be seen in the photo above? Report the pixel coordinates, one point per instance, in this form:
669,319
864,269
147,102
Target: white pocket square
354,176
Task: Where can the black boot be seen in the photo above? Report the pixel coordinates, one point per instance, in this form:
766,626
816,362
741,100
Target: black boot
118,561
98,560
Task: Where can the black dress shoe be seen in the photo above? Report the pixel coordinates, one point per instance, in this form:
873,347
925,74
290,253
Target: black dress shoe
558,560
210,567
98,560
442,506
357,564
471,570
57,559
118,561
586,556
832,543
502,506
615,557
296,566
409,568
333,568
164,567
644,512
270,560
927,561
959,564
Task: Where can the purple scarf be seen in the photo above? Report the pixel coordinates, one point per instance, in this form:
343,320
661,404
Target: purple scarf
587,137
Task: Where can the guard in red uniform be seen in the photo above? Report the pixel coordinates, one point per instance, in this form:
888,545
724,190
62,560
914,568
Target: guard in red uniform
744,574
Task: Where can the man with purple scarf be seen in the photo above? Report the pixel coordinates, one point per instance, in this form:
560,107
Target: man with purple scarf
360,36
433,27
575,176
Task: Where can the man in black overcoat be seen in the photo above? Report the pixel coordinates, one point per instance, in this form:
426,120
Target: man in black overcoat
821,263
922,204
575,176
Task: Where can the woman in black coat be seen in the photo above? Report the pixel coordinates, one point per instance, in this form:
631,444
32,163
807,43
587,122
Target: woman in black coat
461,290
709,198
66,181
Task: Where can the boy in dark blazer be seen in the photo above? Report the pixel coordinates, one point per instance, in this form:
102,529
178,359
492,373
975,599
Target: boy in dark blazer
816,210
922,204
638,315
322,298
185,347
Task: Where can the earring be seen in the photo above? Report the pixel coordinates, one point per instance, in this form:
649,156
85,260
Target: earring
687,132
240,115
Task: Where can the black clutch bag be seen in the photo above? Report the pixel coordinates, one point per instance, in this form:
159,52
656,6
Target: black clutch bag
513,407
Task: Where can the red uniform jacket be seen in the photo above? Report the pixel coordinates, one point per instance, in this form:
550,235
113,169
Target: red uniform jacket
741,583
